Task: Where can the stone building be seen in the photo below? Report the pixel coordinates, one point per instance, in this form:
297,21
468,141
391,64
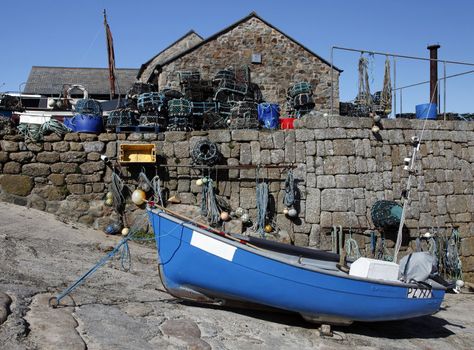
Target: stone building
275,60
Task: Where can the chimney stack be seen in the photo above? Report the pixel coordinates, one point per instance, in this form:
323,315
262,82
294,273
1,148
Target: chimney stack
434,74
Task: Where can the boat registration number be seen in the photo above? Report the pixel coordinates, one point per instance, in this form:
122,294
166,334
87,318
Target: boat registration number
419,293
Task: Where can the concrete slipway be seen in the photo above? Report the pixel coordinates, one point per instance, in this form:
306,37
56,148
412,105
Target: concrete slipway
40,256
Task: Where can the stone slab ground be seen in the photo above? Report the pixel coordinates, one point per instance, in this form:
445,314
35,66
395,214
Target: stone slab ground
40,256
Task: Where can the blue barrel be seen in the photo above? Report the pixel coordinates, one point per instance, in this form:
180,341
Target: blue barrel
427,111
85,123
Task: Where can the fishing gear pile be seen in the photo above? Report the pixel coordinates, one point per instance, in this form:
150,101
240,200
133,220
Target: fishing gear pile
300,99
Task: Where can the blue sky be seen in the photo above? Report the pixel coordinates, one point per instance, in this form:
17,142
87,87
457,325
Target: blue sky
63,33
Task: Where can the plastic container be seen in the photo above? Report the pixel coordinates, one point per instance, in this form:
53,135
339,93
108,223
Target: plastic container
287,123
427,111
137,153
269,115
374,269
85,123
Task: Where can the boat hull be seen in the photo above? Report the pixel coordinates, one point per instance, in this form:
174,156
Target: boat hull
199,265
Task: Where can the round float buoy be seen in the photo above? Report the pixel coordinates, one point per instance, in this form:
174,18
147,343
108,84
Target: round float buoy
199,182
204,180
125,231
245,218
268,228
292,212
376,118
285,211
224,216
138,197
109,202
239,212
375,129
109,195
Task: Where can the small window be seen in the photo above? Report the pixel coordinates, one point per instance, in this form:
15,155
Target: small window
257,58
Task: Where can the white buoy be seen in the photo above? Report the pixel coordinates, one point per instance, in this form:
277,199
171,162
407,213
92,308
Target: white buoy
292,212
245,218
125,231
199,182
375,129
376,118
138,197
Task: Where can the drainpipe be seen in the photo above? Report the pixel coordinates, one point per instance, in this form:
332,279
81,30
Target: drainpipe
434,74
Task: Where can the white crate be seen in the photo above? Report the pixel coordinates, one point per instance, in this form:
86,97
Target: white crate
374,269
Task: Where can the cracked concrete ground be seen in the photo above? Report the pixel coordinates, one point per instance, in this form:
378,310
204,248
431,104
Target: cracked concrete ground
40,256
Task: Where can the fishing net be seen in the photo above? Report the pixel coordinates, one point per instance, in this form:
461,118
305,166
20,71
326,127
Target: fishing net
88,107
363,96
386,213
150,101
121,117
179,108
7,127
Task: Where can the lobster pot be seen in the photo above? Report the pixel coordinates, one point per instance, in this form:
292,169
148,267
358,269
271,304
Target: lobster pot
179,124
205,152
138,89
88,107
244,116
121,117
198,91
303,100
386,213
7,127
171,94
189,77
179,108
225,74
201,108
150,101
300,88
153,119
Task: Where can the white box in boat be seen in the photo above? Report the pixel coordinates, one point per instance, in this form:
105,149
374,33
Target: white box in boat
375,269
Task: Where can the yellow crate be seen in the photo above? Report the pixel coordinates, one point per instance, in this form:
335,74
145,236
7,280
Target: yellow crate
137,153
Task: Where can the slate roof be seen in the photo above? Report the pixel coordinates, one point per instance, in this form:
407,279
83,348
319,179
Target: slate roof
50,80
232,26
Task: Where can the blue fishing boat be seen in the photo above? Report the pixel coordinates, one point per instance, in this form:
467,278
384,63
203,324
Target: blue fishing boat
202,264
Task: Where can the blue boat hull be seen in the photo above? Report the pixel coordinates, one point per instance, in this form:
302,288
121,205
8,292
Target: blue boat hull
198,264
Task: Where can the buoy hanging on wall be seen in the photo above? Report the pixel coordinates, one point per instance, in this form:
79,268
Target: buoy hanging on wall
138,197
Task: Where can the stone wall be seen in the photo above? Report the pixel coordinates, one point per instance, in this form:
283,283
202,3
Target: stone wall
186,42
283,62
340,166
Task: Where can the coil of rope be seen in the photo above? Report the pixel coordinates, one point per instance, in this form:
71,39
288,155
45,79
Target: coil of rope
35,132
205,152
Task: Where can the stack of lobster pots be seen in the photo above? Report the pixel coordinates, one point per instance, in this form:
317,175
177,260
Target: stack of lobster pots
300,99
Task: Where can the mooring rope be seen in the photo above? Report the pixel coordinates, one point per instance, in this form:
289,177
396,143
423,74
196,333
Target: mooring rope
289,198
209,207
262,206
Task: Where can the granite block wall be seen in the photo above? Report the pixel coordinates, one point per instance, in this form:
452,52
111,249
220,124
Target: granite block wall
340,166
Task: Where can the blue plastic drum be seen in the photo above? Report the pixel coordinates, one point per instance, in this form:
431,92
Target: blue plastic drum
427,111
85,123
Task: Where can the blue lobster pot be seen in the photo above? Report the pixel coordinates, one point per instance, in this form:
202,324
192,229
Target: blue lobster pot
427,111
93,124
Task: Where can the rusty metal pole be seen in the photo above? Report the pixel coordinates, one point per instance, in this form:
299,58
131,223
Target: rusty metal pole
434,74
